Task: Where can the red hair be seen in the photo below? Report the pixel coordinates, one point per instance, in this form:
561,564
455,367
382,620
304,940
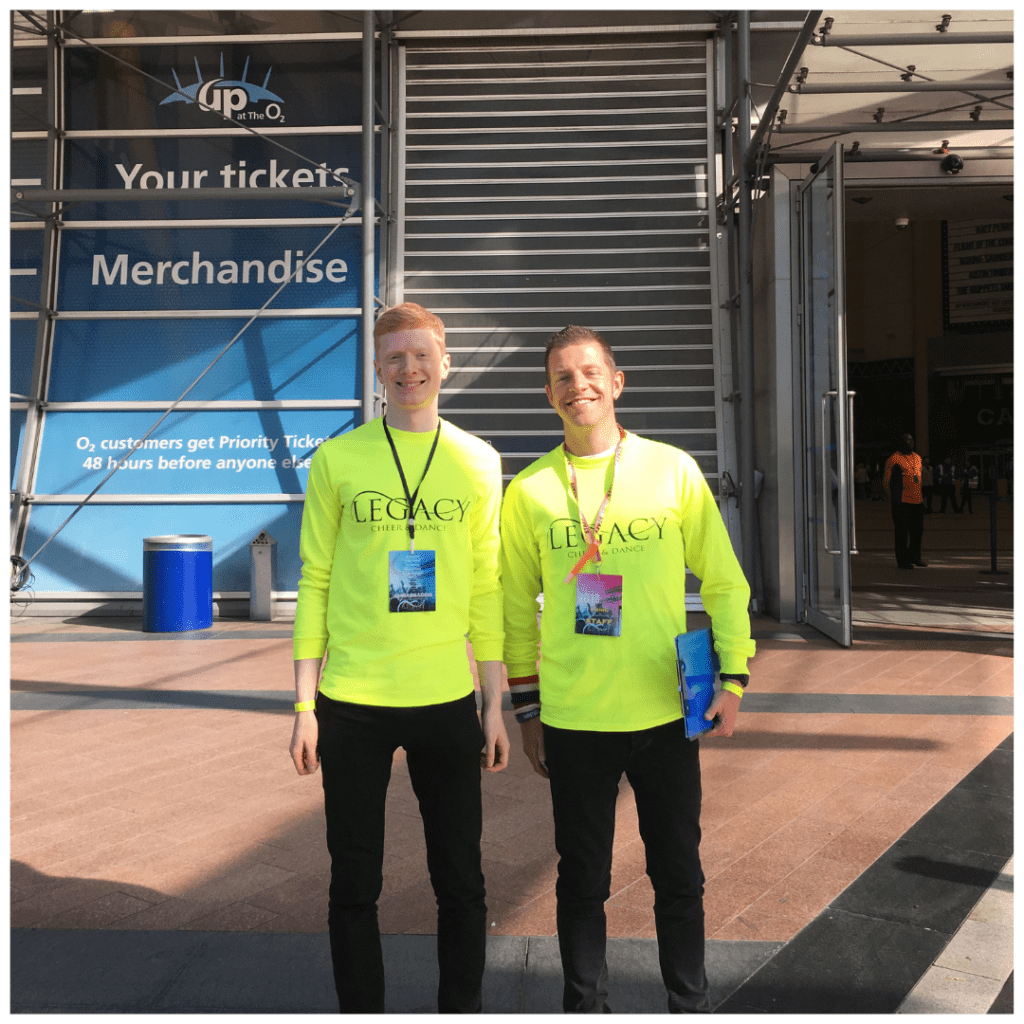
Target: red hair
408,317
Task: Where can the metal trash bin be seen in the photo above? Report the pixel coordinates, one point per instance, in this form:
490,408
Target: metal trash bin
262,577
177,583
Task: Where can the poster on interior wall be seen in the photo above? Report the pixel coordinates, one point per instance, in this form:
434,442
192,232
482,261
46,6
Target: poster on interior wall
977,275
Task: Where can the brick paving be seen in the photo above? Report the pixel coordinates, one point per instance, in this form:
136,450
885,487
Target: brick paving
193,818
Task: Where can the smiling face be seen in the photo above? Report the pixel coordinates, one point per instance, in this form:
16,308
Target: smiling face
411,367
582,387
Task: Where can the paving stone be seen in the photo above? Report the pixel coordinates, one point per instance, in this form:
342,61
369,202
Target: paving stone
980,948
946,991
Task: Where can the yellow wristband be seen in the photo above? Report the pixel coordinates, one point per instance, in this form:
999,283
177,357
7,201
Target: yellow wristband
306,705
733,688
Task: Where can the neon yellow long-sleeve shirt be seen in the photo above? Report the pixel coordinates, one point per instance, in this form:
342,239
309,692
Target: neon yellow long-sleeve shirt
355,514
662,518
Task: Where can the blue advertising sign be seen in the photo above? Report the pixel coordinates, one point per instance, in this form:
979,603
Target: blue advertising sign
270,165
18,417
290,354
276,358
26,263
263,85
209,268
23,349
101,548
251,451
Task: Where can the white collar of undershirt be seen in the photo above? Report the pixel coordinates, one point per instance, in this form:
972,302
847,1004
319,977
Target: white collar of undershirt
599,455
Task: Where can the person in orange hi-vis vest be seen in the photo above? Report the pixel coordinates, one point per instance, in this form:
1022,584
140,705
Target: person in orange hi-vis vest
902,479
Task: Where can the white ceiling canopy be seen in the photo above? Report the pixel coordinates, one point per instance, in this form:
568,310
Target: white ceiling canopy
892,86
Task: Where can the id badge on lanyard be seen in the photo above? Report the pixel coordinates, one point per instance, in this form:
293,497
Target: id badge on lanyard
598,595
412,582
598,604
412,577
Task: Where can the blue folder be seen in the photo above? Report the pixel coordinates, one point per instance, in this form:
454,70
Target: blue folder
697,664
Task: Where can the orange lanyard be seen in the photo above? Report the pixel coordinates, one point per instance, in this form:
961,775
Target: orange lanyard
590,532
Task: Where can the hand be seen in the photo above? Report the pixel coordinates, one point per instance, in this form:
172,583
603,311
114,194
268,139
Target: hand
533,745
305,733
494,755
724,708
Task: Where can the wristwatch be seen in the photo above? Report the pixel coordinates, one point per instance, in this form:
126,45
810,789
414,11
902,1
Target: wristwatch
737,677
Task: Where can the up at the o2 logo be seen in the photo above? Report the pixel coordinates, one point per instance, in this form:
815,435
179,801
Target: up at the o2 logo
234,98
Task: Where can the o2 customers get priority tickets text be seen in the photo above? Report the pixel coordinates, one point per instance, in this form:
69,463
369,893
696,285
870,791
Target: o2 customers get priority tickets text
200,453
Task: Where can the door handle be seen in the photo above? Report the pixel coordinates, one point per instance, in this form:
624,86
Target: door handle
851,490
826,473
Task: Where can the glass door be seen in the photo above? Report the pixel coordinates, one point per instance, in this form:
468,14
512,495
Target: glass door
827,404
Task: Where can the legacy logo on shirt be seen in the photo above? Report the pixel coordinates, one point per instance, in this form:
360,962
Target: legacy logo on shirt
378,507
566,534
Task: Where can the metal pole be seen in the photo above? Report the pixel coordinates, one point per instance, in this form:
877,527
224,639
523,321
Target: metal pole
748,522
992,530
39,389
369,193
892,155
917,39
812,89
750,150
727,139
401,157
936,128
335,195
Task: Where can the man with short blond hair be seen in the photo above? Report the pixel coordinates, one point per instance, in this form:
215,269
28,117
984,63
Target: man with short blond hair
606,525
399,551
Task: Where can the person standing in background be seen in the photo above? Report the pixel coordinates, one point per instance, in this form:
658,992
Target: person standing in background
944,482
903,484
927,483
877,489
861,479
971,483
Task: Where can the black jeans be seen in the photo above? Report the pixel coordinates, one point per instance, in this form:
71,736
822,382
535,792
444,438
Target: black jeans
908,522
663,767
442,743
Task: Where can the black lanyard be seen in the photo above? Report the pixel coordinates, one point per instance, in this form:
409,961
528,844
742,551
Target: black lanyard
411,498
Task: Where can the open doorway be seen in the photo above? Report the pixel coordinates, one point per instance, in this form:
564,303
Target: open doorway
929,276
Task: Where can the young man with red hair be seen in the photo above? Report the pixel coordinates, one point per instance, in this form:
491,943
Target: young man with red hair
606,525
399,553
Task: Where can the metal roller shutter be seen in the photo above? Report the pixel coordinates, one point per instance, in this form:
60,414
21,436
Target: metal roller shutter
555,184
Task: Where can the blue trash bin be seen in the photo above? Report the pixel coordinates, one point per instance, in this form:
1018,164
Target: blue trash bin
177,583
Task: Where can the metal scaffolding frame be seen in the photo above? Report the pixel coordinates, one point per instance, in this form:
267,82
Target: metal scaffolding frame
55,198
744,156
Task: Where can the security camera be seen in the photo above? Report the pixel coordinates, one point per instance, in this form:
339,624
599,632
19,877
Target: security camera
902,223
952,164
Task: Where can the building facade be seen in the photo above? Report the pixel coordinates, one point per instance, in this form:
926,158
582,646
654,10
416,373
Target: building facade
208,207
